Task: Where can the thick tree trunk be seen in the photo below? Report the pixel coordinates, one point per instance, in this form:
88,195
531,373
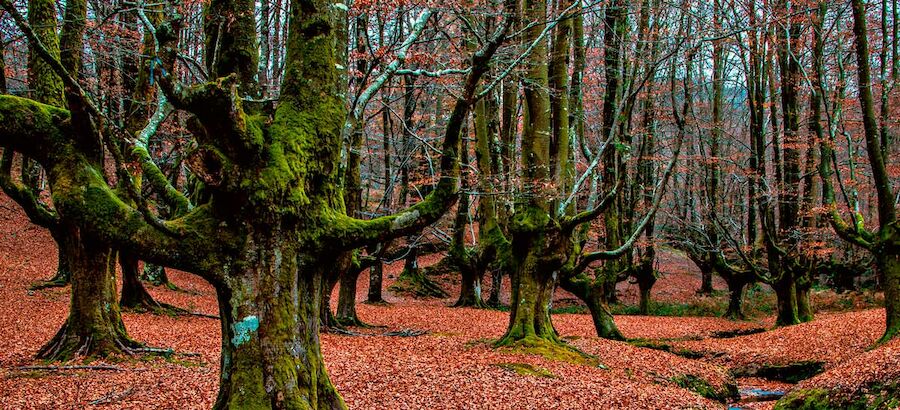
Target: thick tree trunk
271,357
644,303
592,294
94,326
706,284
376,278
889,264
470,291
346,308
496,286
413,281
735,309
532,292
604,323
786,295
134,294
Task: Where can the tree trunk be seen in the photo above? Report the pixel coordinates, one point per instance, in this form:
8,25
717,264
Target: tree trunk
376,277
604,323
413,281
706,286
804,304
735,309
271,357
156,274
134,294
532,292
94,326
889,264
327,319
592,294
786,294
470,291
496,286
346,308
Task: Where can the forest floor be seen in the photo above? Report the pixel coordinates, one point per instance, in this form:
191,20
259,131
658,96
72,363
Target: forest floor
672,363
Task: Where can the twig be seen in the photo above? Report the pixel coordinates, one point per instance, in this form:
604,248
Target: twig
74,367
405,333
112,396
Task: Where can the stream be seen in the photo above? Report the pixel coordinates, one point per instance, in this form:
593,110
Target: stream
754,395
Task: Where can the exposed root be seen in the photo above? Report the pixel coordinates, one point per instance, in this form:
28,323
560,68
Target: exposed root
60,279
419,285
47,284
68,344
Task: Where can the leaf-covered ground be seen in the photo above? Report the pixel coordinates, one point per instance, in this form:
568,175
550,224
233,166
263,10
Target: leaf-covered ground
451,366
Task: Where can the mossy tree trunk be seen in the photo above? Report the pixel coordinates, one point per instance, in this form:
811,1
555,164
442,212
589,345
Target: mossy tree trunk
786,301
94,326
345,313
533,282
889,265
587,289
275,222
271,356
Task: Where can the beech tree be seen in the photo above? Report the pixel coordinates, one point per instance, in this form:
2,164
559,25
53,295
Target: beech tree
275,208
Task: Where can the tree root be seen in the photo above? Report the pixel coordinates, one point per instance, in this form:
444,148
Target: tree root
60,279
419,285
68,344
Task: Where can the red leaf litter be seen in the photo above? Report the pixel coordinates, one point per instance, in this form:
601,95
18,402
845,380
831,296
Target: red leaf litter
452,366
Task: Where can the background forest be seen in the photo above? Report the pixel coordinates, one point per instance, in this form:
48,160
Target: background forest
471,204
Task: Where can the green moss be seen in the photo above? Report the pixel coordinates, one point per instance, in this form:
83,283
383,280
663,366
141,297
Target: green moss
529,219
550,350
526,369
706,389
874,396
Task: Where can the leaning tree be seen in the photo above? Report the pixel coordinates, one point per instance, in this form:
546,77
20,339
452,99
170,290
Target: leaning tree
275,214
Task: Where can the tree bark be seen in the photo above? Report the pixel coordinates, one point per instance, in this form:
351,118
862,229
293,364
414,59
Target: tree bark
889,265
271,356
592,294
94,326
786,294
376,278
735,309
346,308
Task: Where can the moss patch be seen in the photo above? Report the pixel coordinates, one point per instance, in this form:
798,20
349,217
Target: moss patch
553,351
874,396
706,389
788,373
526,369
